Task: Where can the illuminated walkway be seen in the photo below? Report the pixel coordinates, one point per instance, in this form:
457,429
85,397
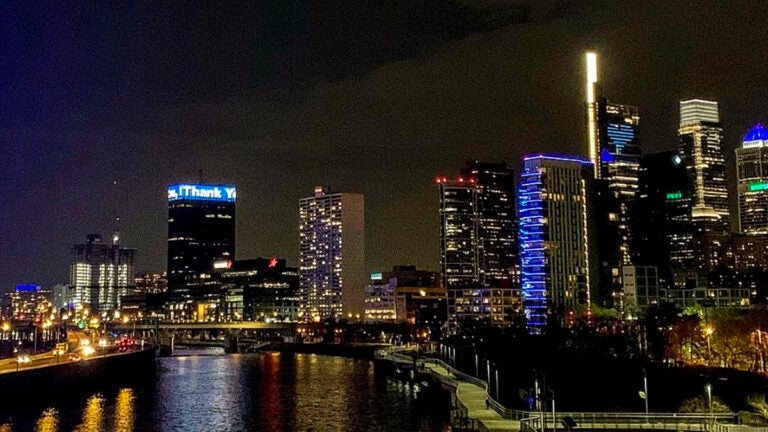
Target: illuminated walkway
471,398
472,413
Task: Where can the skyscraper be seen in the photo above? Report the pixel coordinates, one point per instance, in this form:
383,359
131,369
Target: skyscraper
613,146
201,230
619,164
497,256
458,232
662,214
592,95
555,252
700,146
100,274
332,254
752,181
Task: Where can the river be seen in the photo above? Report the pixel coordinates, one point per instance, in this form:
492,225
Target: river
248,392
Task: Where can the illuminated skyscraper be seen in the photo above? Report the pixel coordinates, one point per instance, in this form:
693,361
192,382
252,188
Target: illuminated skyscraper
701,149
614,149
555,250
497,256
752,177
100,274
619,165
592,93
478,233
201,231
332,255
458,232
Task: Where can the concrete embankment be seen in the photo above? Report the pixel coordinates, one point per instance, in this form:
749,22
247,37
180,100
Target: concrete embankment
72,376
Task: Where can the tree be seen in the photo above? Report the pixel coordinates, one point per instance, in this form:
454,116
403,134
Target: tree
758,404
700,405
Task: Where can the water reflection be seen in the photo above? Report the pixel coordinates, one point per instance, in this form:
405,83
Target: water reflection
263,392
124,410
49,421
93,415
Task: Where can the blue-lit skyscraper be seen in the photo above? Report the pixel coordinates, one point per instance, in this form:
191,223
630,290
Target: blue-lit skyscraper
752,178
555,249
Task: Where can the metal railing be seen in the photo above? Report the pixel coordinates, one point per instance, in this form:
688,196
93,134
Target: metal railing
531,421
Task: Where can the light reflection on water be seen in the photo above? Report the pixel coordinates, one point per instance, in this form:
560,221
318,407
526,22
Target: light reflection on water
263,392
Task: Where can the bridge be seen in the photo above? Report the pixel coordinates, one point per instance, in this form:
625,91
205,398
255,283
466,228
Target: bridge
478,411
231,336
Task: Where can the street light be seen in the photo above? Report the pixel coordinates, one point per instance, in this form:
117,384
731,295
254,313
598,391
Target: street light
554,415
709,399
708,333
645,390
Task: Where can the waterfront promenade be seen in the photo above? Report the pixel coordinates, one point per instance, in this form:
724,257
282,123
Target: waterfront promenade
472,413
471,394
471,399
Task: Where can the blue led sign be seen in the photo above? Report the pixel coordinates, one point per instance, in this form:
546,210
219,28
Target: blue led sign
202,192
27,288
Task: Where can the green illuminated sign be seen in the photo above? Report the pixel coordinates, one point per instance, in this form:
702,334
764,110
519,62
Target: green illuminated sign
758,186
674,195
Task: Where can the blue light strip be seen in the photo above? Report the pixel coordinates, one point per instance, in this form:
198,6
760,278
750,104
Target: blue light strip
532,252
202,192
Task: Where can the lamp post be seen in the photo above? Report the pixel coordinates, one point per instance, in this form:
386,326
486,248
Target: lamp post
554,415
709,399
708,332
645,390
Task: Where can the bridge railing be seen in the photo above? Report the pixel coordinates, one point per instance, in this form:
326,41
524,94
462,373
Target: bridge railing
626,417
722,427
504,412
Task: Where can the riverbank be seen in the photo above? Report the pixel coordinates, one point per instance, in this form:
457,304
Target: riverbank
74,376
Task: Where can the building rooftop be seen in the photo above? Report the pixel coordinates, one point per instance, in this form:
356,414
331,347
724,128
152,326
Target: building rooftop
757,133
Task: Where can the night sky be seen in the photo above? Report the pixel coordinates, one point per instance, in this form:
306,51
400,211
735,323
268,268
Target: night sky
373,97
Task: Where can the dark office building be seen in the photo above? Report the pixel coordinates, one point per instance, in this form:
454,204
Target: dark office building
261,289
201,231
662,215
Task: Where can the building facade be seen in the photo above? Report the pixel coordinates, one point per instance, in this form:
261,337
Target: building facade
459,243
100,274
28,302
619,165
261,289
332,255
496,222
752,182
201,230
662,215
700,145
555,250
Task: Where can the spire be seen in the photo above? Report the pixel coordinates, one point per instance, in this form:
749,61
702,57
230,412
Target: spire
116,230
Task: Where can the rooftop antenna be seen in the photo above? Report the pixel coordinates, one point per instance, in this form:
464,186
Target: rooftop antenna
116,232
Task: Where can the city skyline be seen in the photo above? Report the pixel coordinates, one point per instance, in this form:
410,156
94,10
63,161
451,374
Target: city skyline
410,115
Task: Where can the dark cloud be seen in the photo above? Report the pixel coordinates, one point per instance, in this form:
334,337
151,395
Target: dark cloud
370,97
